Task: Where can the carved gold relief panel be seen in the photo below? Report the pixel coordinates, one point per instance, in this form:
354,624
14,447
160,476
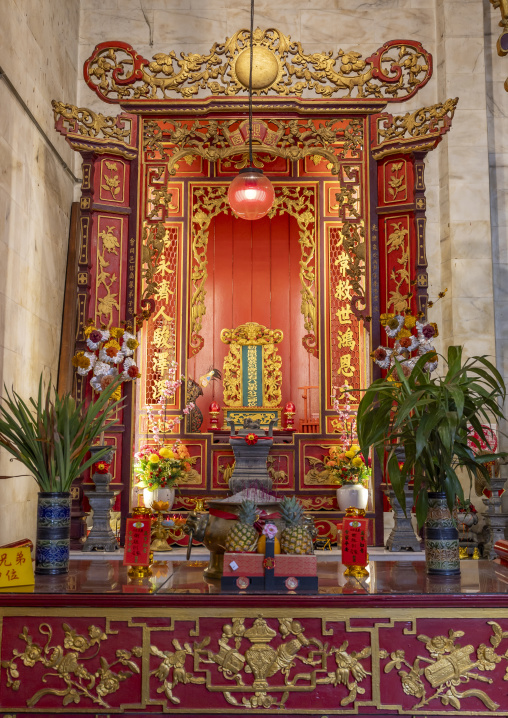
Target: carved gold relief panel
353,661
112,181
282,67
109,280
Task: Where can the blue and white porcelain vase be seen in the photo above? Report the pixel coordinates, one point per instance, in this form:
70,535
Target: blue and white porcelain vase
53,532
441,538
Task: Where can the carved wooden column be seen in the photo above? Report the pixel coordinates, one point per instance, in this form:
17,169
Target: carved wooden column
107,254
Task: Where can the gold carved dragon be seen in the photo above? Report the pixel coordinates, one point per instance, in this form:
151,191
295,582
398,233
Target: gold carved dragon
117,73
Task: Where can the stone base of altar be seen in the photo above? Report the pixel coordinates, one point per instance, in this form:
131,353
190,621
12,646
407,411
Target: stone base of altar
95,643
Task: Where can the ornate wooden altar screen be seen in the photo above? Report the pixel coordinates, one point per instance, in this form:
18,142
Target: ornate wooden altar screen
343,244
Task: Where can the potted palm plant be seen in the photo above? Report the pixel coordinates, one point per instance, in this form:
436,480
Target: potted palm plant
431,418
51,436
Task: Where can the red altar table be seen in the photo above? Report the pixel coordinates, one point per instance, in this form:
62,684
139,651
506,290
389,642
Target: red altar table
95,643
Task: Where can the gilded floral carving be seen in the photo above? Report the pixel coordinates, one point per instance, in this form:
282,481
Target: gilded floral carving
116,72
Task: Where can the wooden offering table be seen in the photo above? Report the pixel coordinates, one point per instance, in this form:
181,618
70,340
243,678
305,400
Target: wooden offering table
94,643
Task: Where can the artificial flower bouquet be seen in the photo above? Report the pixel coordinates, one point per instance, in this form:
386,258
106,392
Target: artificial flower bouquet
110,356
412,337
347,467
161,468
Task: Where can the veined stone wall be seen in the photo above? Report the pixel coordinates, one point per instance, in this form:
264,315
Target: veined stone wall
38,54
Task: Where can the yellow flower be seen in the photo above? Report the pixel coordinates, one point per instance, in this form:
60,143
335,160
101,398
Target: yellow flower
357,461
166,453
113,344
409,321
116,332
355,447
153,459
80,360
385,318
350,454
403,333
132,344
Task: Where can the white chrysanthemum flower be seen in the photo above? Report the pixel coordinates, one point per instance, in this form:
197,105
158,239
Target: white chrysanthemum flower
385,362
400,323
103,356
425,347
105,334
415,343
127,363
91,359
93,346
129,338
95,383
101,368
430,366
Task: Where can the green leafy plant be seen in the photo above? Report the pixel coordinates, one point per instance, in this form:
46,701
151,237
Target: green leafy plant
431,419
51,435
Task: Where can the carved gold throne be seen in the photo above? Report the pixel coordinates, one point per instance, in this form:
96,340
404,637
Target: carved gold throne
252,375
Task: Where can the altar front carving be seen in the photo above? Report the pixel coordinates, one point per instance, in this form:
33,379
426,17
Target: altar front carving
343,244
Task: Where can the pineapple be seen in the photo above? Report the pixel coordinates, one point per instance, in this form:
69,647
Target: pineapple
295,537
243,536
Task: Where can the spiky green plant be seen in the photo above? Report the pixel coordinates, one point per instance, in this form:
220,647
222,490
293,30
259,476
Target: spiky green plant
51,435
430,417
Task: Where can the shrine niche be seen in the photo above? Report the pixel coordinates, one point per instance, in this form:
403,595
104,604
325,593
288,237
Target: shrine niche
343,244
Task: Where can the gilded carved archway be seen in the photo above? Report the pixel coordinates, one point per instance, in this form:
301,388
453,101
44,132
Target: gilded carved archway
351,175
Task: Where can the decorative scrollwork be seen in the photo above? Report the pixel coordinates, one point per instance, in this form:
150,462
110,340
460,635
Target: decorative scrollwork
80,120
67,664
232,377
272,376
251,333
449,668
246,659
290,139
117,73
436,119
300,204
208,202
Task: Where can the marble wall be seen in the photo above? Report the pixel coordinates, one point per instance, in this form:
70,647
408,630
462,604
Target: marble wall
38,54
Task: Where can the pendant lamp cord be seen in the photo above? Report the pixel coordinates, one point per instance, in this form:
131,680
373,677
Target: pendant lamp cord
251,161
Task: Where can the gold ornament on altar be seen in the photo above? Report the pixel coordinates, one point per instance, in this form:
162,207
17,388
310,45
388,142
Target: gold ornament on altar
265,68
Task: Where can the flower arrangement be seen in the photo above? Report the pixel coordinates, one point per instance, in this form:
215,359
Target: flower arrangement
346,465
161,468
160,465
413,338
110,355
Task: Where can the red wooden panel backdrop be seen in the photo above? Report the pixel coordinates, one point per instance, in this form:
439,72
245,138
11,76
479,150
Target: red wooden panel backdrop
253,275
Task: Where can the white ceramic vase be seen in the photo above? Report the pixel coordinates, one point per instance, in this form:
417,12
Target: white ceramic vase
158,495
352,495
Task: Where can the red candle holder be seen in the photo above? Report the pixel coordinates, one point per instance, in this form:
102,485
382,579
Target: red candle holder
289,412
214,412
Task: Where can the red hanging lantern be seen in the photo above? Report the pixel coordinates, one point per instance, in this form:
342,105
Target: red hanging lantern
251,194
